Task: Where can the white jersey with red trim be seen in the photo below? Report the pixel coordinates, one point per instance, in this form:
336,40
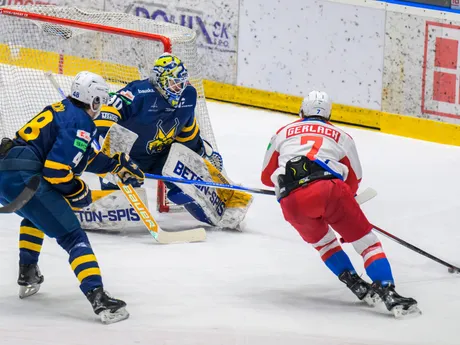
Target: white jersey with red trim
329,146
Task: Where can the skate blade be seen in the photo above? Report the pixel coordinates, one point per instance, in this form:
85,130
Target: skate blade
400,313
108,317
29,290
372,299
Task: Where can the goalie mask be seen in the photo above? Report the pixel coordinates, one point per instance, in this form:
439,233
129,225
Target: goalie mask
170,76
91,89
316,104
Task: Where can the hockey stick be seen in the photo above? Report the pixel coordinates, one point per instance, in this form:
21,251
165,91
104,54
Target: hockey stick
451,268
23,198
210,184
164,237
361,198
53,81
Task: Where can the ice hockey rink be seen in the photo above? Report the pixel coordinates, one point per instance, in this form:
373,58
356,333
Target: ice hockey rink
263,285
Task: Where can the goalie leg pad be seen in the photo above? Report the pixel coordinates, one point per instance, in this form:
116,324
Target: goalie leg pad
223,208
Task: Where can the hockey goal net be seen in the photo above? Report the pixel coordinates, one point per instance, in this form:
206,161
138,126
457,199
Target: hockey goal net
36,40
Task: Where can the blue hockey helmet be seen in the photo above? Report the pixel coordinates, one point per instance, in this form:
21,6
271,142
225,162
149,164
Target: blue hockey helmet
170,76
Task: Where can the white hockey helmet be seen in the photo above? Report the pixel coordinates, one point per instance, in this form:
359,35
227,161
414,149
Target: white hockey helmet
90,88
317,103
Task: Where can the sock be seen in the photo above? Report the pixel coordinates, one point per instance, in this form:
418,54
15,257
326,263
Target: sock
82,259
30,243
375,261
333,255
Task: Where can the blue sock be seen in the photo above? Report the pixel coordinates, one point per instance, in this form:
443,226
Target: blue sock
380,270
82,259
30,243
339,262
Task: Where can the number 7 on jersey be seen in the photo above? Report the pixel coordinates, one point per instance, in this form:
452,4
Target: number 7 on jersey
316,143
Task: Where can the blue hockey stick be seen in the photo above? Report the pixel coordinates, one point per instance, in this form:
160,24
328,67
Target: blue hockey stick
361,198
210,184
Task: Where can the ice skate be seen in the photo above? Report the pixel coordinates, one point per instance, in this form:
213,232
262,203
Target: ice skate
359,287
398,305
29,280
109,309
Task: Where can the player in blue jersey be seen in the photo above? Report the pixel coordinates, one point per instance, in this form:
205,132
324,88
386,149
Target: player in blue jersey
161,110
56,144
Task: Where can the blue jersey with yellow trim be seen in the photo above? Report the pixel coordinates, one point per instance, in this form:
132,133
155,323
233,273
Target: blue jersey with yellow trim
61,138
140,108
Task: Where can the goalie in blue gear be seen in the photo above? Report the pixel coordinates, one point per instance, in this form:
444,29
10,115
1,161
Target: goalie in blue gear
161,111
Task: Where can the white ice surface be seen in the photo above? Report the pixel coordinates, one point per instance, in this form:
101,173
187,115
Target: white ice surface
265,285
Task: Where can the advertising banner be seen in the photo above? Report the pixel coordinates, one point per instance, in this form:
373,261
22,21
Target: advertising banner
215,21
421,70
89,4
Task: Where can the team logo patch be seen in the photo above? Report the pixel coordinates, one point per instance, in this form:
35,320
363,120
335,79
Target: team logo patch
80,144
84,135
162,138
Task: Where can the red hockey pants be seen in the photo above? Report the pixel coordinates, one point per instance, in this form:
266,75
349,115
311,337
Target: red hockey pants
325,202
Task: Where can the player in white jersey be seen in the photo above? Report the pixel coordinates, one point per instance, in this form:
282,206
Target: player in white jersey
315,169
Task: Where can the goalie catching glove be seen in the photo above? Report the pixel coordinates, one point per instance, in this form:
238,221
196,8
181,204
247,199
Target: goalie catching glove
208,153
127,170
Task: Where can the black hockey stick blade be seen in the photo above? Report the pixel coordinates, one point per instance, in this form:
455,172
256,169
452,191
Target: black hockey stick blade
27,193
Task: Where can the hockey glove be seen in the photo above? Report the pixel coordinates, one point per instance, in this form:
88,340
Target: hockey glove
127,170
82,197
214,157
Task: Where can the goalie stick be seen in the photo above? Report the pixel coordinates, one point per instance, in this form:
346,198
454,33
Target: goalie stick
361,198
23,198
161,236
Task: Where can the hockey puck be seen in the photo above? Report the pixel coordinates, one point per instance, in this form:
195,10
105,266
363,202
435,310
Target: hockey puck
452,270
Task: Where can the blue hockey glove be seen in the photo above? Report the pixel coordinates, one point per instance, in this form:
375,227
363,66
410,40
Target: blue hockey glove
214,157
82,197
128,171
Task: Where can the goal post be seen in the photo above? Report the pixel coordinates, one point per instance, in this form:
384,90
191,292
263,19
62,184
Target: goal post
66,40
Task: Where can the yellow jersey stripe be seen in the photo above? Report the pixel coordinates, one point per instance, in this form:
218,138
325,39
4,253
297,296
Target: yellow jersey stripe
189,128
110,109
83,260
57,180
103,123
29,245
27,230
190,137
56,165
95,271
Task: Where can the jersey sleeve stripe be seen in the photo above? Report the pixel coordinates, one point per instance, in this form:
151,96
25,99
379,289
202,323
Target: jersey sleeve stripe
189,128
56,165
190,137
270,169
58,180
